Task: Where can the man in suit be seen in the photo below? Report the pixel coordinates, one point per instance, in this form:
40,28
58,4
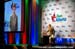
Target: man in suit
13,19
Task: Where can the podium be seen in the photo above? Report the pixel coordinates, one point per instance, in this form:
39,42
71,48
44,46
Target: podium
45,39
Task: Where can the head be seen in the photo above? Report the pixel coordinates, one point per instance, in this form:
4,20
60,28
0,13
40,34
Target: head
23,47
14,47
49,25
13,7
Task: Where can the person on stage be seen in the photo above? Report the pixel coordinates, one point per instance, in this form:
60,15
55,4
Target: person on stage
51,33
48,36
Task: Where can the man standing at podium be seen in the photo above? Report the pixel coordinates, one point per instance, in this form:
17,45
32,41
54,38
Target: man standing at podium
48,37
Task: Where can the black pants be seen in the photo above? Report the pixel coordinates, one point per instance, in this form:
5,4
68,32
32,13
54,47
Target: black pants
53,41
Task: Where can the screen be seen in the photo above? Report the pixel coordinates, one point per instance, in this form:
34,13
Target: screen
12,16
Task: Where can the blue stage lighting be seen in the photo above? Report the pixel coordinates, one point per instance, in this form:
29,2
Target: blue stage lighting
6,38
59,41
72,40
68,40
17,38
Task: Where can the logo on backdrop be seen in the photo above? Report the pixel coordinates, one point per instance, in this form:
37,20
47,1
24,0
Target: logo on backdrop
58,18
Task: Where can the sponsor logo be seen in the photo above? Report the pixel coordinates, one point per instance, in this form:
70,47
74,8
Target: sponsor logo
58,18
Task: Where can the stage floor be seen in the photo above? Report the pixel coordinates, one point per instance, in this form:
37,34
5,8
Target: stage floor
53,47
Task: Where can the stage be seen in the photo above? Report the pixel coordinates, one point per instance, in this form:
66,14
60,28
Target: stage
53,47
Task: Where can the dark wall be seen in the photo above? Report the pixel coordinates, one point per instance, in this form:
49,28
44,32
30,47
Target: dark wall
1,20
1,24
